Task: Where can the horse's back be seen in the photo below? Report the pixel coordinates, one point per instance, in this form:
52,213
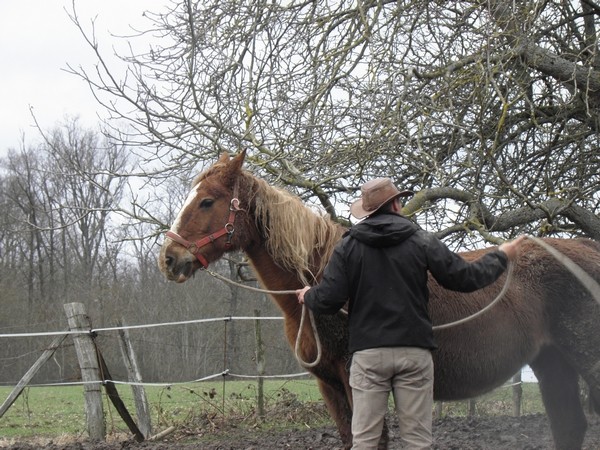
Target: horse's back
543,305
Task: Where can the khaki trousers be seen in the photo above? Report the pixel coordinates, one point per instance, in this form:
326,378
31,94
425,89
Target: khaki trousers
408,373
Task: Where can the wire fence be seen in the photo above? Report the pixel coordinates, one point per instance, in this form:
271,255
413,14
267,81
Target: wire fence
526,373
204,396
95,332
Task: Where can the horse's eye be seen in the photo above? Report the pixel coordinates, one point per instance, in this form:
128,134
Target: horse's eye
206,203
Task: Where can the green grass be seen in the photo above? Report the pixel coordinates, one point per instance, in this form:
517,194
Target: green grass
44,411
56,411
203,409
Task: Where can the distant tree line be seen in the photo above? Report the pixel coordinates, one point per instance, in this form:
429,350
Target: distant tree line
63,240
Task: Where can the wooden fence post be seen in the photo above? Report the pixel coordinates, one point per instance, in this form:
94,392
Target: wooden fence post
438,410
260,365
90,372
22,384
517,394
113,396
139,393
472,407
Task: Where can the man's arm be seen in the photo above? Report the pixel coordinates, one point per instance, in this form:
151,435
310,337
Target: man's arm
455,273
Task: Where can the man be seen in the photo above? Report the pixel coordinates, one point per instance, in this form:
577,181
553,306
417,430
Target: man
381,267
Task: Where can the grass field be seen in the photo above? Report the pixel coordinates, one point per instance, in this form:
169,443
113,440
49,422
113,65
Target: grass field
52,412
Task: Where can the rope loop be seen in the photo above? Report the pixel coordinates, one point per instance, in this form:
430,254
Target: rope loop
302,319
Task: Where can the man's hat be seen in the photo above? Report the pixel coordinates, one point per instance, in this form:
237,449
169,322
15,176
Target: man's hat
375,194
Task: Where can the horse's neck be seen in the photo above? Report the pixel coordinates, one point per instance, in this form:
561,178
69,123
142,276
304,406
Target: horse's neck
274,278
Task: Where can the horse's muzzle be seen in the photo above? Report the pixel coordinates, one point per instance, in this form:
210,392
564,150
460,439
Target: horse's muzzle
177,264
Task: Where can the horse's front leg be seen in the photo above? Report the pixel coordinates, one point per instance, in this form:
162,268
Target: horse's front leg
339,408
338,399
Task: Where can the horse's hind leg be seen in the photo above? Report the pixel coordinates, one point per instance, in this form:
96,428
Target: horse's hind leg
558,383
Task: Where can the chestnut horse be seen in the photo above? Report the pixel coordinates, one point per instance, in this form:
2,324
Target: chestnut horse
546,318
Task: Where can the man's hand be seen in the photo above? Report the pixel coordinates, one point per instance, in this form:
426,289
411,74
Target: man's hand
300,294
512,248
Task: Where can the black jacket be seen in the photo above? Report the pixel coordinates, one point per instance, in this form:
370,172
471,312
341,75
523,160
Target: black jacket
381,266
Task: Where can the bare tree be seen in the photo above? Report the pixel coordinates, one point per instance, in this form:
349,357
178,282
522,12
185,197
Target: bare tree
489,110
25,205
83,171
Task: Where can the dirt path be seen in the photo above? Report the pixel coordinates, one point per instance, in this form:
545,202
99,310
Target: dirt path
530,432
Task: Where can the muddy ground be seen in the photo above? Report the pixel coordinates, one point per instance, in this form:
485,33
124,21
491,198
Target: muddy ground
529,432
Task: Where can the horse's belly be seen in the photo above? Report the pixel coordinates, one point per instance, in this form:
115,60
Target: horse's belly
471,369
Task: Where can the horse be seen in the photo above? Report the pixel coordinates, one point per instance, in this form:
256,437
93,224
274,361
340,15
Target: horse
545,319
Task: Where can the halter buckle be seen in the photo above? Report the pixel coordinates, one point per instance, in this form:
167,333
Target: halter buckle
234,205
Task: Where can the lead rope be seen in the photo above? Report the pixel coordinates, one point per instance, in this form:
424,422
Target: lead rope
584,278
302,319
509,275
314,327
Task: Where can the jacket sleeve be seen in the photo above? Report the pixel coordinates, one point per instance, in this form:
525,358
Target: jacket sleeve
455,273
331,293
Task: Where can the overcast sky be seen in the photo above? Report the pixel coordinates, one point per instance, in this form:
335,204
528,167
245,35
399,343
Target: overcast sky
37,41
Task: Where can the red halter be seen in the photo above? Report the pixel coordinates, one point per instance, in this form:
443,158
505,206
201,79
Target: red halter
228,229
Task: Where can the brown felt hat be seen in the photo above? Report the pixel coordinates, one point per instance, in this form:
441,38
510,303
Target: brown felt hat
375,194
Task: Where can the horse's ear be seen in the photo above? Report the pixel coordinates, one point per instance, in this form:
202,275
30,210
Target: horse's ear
234,167
236,163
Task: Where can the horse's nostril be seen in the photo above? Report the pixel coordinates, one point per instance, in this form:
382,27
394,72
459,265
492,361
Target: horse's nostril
187,269
169,261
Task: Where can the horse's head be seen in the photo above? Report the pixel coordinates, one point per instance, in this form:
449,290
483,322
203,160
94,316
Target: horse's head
205,228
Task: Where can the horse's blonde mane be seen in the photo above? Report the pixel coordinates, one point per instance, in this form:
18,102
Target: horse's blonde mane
298,239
